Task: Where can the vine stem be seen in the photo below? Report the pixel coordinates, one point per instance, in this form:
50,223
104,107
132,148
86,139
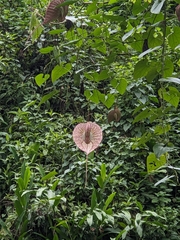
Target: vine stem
164,41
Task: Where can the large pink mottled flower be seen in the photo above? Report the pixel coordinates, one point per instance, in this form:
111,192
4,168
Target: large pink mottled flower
87,136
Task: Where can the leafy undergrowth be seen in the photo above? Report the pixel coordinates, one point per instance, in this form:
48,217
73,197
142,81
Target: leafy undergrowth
43,184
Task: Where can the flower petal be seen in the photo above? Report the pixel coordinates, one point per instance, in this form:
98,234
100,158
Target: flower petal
87,136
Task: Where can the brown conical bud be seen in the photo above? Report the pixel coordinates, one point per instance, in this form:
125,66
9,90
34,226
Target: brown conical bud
178,12
114,115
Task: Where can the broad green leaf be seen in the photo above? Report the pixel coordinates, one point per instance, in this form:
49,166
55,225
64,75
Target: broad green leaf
157,6
48,96
108,100
103,171
93,96
159,149
126,126
119,85
56,31
33,21
172,96
168,68
90,219
109,200
126,216
155,39
160,129
49,175
143,140
137,7
46,50
36,32
60,70
98,215
153,163
141,69
40,191
103,75
41,78
92,7
142,115
173,38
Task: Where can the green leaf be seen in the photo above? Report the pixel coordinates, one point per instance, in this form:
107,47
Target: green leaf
113,1
109,200
100,181
144,139
162,129
93,96
60,70
33,21
93,200
119,85
55,31
168,68
18,207
90,220
27,191
98,215
41,78
40,191
108,100
159,149
4,227
153,163
103,171
173,38
55,237
46,50
141,69
49,175
172,96
142,115
20,184
27,175
157,6
48,96
92,7
36,32
67,3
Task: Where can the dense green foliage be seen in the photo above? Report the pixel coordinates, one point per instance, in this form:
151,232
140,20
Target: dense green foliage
54,76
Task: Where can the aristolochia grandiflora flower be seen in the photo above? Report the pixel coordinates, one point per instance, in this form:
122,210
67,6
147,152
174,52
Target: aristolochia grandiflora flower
87,136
